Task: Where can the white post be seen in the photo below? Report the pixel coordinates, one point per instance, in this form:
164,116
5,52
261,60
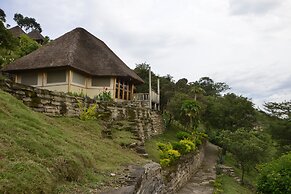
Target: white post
150,88
158,82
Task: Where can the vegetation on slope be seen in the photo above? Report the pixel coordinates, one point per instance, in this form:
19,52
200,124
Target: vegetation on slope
43,154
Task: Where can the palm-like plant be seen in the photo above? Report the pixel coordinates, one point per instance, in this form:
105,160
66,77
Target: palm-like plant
191,109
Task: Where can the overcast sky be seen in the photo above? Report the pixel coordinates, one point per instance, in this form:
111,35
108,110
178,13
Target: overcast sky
245,43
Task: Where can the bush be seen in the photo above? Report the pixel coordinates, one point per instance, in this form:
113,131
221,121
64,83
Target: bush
183,135
171,154
88,113
184,146
168,155
104,96
165,162
164,147
275,177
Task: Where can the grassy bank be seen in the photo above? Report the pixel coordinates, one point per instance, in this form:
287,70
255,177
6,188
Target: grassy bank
227,185
170,135
43,154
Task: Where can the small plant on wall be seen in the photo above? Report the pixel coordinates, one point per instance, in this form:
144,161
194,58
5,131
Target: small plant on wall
104,96
87,113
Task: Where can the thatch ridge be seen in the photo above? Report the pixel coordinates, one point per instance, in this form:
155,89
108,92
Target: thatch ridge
16,31
35,35
77,49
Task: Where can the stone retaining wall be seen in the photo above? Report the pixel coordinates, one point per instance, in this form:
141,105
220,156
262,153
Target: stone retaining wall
53,103
151,179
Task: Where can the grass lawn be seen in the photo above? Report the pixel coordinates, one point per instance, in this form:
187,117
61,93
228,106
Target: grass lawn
249,178
41,154
230,186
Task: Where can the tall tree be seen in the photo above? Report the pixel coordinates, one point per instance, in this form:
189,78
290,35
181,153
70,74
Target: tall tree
229,112
191,109
248,147
2,16
26,22
281,110
210,87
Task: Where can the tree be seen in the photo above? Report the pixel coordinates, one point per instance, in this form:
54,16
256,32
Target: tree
229,112
191,109
2,16
281,110
196,90
26,22
248,147
210,87
26,46
175,104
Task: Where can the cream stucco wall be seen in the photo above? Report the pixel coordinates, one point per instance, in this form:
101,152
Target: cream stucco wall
69,86
58,88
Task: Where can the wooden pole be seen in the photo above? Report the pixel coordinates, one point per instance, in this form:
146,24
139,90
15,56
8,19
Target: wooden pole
150,88
158,82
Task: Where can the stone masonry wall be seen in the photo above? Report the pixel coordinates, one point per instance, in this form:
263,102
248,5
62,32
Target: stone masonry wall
51,103
151,179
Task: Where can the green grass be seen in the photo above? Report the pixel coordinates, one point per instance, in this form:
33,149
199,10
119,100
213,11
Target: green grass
40,154
250,176
230,186
151,145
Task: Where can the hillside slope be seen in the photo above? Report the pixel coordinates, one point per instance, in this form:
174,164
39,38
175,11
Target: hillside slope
40,154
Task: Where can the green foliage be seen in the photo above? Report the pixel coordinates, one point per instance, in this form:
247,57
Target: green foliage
210,87
191,109
175,104
164,147
227,185
169,157
104,96
183,135
88,113
248,147
230,112
26,45
12,49
218,185
275,177
184,146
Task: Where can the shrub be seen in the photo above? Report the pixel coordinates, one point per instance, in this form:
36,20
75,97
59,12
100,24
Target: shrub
88,113
164,147
165,162
171,154
275,177
184,146
104,96
167,154
183,135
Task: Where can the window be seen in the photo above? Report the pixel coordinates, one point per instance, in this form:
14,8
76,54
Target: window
29,78
78,78
101,81
56,76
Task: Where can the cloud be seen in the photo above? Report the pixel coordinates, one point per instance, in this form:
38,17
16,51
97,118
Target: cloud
241,7
188,39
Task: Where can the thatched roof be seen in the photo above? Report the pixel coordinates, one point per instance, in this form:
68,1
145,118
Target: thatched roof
77,49
35,35
16,31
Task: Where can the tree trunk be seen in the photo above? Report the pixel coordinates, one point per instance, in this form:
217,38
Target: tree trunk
242,174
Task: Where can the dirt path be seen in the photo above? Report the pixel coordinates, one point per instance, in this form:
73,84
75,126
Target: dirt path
202,181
